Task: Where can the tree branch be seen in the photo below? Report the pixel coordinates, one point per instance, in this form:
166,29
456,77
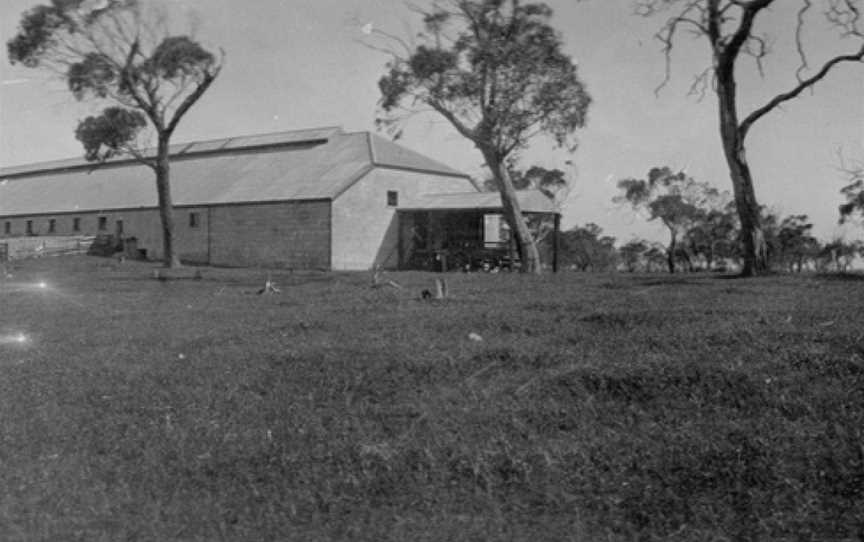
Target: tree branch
207,80
469,133
803,85
666,35
799,44
730,50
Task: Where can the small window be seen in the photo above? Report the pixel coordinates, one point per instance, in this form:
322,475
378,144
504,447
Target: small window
194,220
392,198
76,224
7,228
103,223
29,227
52,226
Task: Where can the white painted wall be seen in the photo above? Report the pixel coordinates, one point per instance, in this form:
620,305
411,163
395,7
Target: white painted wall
365,230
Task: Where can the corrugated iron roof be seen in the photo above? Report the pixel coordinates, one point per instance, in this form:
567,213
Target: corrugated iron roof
387,153
308,164
531,201
189,148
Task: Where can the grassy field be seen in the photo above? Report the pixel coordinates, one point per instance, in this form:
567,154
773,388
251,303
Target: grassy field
595,407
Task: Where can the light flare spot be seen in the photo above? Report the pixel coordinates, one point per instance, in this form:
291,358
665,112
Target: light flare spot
14,339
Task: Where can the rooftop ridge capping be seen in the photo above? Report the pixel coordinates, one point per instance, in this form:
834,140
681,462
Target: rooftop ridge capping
181,149
371,146
387,153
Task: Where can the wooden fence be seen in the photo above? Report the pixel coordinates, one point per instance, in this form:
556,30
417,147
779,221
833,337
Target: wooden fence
19,248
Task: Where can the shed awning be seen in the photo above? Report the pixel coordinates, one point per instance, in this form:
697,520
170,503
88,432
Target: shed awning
531,201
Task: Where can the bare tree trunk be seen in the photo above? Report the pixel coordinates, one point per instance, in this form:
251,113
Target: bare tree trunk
753,239
670,253
689,256
525,244
166,205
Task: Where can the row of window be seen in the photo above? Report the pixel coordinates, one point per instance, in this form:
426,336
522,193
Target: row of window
194,219
52,225
194,222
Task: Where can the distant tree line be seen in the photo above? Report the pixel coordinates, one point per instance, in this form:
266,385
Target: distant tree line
704,232
790,244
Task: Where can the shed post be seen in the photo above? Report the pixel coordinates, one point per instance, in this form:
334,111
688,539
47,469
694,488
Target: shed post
400,242
556,242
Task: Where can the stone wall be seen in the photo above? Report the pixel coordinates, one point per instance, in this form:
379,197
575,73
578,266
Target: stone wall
284,234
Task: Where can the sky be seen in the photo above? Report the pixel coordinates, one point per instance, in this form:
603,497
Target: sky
293,64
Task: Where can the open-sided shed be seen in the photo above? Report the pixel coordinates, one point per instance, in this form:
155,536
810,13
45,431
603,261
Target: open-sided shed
466,230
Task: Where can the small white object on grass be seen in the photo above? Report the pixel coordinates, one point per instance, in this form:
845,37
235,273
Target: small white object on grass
440,289
269,287
475,337
181,356
42,285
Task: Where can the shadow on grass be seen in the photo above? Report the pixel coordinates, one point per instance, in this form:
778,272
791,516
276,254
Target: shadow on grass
622,319
670,281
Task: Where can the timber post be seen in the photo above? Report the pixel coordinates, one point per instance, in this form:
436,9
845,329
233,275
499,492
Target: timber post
556,242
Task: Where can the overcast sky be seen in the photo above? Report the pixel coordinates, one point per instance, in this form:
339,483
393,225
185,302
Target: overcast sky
298,63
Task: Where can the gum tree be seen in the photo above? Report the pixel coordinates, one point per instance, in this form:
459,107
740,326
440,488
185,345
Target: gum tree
715,236
633,254
586,248
115,52
731,31
496,71
674,198
795,242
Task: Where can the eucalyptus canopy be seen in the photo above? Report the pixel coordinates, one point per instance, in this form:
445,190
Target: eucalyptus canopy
497,72
674,198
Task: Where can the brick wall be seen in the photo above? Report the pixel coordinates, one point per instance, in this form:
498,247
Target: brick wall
293,235
143,224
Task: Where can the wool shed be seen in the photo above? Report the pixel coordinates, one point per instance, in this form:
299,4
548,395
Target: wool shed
307,199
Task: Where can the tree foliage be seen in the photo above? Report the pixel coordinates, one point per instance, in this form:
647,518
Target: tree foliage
109,134
551,182
585,248
796,243
840,254
673,198
715,236
116,51
854,194
632,254
496,71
